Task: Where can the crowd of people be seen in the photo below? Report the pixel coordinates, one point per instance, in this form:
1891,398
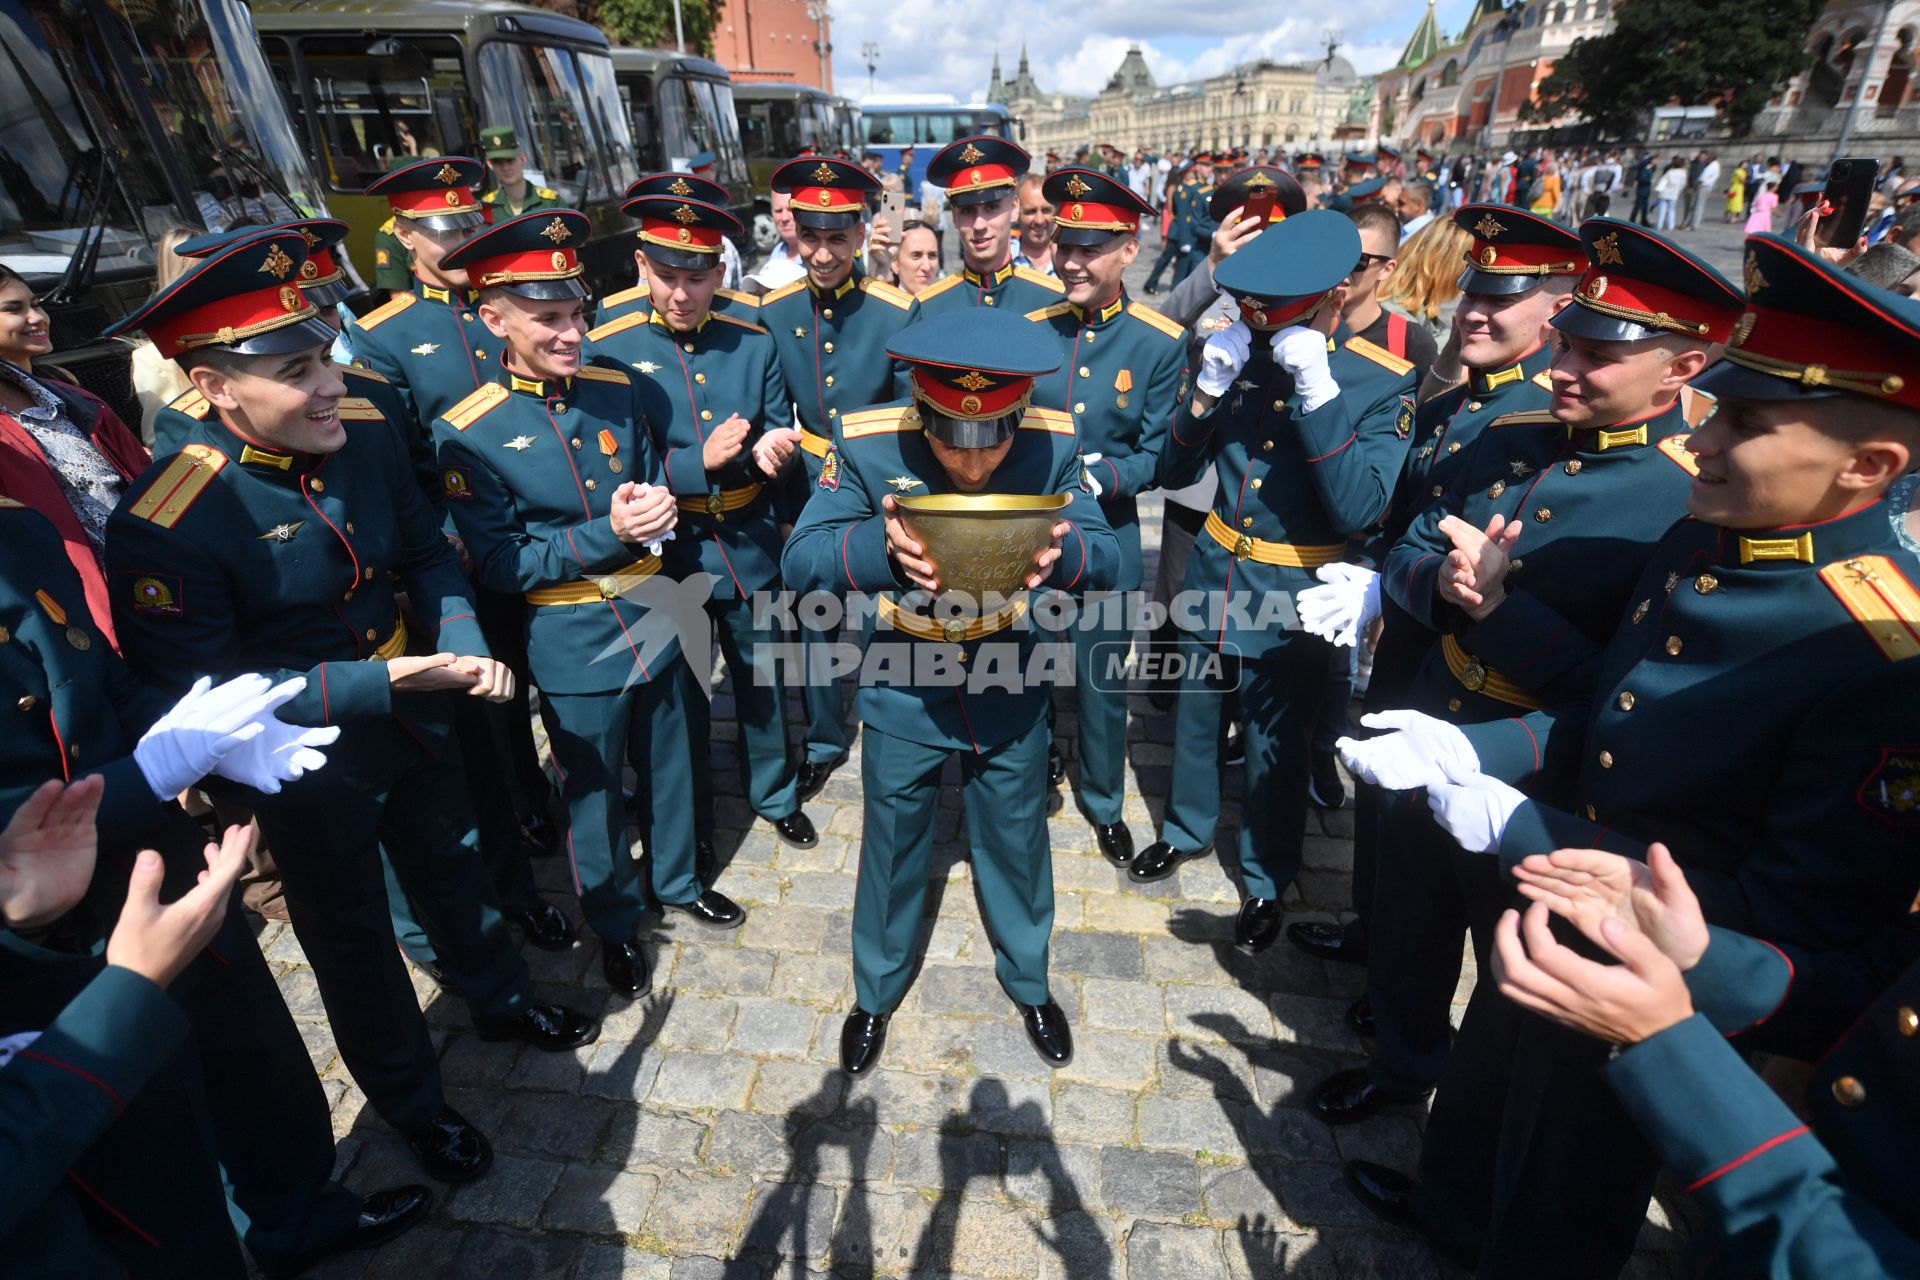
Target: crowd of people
1620,555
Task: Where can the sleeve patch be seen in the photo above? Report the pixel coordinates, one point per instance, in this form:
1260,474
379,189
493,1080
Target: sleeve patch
1403,425
1880,598
457,484
1891,791
155,595
830,469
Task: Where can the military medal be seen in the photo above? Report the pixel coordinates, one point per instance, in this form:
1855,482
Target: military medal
520,443
608,448
1123,383
76,637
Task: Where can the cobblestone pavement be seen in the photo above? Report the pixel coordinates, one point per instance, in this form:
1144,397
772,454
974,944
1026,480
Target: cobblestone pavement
710,1133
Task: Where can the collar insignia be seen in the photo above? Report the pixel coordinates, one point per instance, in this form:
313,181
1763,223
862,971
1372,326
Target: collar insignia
278,264
282,532
520,443
904,484
426,348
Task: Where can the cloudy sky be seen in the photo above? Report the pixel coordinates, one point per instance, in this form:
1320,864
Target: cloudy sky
929,46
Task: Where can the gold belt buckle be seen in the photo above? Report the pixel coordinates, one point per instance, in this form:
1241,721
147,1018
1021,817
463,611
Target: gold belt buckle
609,587
954,630
1242,547
715,504
1474,676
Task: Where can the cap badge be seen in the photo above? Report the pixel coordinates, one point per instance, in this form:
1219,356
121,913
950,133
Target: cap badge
970,405
974,177
824,173
1596,287
1077,188
453,199
972,155
557,232
277,263
1258,179
308,271
685,236
679,187
685,215
1489,256
446,173
974,381
826,197
313,241
1754,280
1487,228
1075,212
1606,250
559,260
1743,328
290,298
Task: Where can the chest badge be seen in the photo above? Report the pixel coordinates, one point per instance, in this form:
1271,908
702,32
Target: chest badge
799,332
905,484
646,366
1520,469
1244,384
426,348
520,444
283,532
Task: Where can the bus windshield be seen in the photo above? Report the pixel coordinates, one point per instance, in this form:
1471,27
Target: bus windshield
137,116
541,92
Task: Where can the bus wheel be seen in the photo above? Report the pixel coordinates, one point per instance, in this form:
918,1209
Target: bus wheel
764,235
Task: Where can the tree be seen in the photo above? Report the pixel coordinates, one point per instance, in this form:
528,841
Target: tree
648,23
1730,53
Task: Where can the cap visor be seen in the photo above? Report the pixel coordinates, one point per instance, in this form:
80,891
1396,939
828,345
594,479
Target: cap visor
683,259
549,290
1728,380
966,433
814,220
986,195
299,336
452,221
1585,322
1493,284
325,295
1068,234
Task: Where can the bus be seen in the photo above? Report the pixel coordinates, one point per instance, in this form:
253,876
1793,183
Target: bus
928,122
781,121
677,106
119,120
370,85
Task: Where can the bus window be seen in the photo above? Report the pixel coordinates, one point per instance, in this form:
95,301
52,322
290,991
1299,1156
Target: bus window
636,95
376,102
756,132
616,139
540,89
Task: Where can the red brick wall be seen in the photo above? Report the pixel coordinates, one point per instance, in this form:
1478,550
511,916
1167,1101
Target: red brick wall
770,40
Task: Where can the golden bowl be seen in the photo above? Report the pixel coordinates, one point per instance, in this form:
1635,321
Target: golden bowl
983,543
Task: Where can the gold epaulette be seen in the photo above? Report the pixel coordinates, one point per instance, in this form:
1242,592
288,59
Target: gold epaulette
724,318
191,403
1048,313
1055,420
892,294
1141,311
596,373
1527,418
1543,380
626,295
1040,278
786,290
356,371
359,409
887,420
939,287
621,325
392,307
1675,447
481,401
179,485
1880,598
738,298
1696,406
546,193
387,226
1379,355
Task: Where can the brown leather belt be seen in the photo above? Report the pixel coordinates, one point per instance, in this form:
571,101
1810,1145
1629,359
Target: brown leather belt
952,630
725,500
813,444
594,590
1293,555
1479,678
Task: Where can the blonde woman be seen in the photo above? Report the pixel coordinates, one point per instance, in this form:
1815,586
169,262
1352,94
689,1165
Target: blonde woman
157,380
1425,285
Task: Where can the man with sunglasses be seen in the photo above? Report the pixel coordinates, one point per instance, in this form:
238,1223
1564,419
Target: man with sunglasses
1379,228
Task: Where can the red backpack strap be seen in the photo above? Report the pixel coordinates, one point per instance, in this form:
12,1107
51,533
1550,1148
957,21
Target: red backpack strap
1397,334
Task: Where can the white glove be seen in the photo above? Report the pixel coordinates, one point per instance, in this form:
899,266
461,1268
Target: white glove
1302,352
1344,607
281,752
1417,753
1086,466
183,745
1222,359
653,547
1473,808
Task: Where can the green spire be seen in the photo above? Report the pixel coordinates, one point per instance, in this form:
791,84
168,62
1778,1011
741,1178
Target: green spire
1425,42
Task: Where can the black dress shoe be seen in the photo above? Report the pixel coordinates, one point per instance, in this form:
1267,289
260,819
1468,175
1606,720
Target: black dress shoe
1158,861
814,775
1056,767
1257,925
539,837
546,926
797,830
1047,1028
861,1038
1386,1192
1348,1097
715,910
626,967
1325,787
550,1027
1327,940
439,975
1116,842
1360,1017
451,1149
386,1213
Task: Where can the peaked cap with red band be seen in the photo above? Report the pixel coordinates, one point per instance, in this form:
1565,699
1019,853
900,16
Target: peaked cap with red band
825,194
321,278
1514,250
243,297
1811,330
1091,208
972,372
681,233
976,170
1284,272
687,186
1641,285
1232,192
536,255
437,194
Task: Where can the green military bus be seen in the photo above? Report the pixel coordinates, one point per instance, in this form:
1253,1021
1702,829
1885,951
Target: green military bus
679,106
781,121
370,85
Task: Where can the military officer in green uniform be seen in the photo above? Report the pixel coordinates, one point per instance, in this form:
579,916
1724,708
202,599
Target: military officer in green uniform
1519,271
1307,426
831,329
640,297
969,430
1118,380
77,714
512,194
1594,480
556,487
271,542
721,420
981,176
1195,208
1785,606
1175,245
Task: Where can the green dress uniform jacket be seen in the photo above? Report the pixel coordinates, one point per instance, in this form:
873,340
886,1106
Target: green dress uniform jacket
640,298
392,264
833,353
431,344
538,198
1011,288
